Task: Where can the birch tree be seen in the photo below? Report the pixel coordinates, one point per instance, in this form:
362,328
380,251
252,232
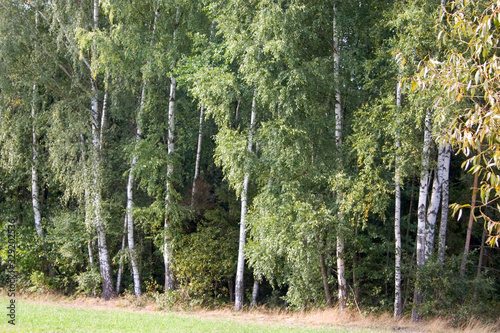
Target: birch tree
398,306
239,283
342,284
444,201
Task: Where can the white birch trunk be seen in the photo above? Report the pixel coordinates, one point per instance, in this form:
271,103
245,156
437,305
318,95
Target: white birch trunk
198,155
398,308
255,292
168,248
130,228
131,180
96,193
134,262
342,284
120,266
35,186
422,210
91,255
432,211
239,285
444,202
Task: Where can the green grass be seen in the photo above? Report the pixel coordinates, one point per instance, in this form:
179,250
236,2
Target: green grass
52,318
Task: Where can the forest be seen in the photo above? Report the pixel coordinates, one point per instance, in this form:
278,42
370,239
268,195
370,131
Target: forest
288,153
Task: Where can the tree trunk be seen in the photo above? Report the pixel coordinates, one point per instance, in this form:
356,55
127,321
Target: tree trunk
91,255
398,308
239,285
255,292
134,261
432,211
469,228
342,288
130,199
481,253
168,252
422,208
96,193
198,155
35,186
168,249
444,202
120,266
324,276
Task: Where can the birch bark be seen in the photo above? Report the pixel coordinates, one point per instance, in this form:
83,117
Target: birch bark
342,284
198,155
35,186
432,212
255,292
422,208
96,192
239,287
398,308
134,260
444,202
120,266
168,250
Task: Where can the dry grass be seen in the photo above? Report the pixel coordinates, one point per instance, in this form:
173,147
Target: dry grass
349,319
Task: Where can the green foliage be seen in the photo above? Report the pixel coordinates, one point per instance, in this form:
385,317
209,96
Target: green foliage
89,282
470,72
206,259
39,282
452,295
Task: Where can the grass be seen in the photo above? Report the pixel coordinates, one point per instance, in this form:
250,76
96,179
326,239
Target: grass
32,317
57,313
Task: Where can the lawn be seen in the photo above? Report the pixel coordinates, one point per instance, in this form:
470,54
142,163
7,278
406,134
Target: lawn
31,317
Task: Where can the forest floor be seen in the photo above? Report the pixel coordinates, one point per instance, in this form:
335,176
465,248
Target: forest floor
253,320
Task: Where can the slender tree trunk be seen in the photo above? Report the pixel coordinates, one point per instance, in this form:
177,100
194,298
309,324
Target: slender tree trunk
469,227
96,193
120,266
432,211
422,208
481,253
130,228
444,202
239,284
198,155
398,308
134,261
255,292
168,252
342,288
324,276
168,249
130,199
91,255
35,186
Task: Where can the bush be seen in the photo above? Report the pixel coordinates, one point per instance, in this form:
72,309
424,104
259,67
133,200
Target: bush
89,282
446,293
